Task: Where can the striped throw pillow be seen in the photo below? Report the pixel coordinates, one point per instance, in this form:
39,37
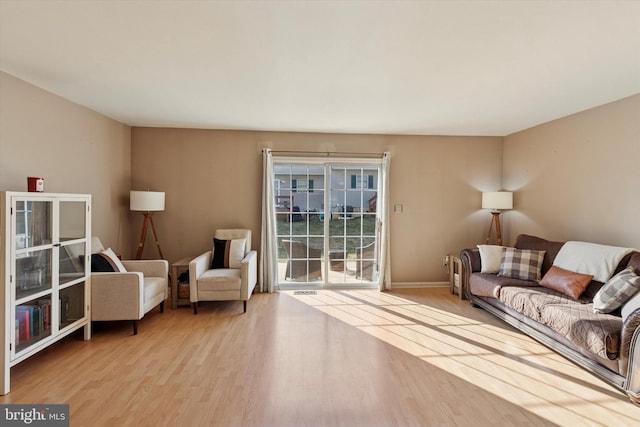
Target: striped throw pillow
227,253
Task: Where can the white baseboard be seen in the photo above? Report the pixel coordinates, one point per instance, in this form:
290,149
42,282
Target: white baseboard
401,285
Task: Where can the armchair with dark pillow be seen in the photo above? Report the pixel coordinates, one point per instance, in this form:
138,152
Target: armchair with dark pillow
125,290
228,272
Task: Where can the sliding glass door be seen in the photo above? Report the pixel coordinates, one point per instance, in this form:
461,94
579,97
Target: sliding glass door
327,222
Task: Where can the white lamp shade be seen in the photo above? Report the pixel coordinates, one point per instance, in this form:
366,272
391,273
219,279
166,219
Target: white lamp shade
146,201
497,200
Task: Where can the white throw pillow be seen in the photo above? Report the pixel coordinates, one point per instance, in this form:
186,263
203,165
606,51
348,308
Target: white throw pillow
236,253
490,257
630,306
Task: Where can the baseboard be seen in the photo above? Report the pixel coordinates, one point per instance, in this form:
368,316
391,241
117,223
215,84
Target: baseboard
402,285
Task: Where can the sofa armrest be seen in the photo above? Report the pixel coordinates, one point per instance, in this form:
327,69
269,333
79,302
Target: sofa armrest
149,268
630,351
248,274
471,263
197,267
117,296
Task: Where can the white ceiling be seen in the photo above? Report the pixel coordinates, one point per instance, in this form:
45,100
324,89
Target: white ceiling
395,67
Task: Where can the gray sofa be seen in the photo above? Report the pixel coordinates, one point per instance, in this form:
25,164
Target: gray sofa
565,325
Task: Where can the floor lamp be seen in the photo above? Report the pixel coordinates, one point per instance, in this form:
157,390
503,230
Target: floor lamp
496,201
147,202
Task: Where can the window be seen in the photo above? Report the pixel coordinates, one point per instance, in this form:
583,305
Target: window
302,185
362,181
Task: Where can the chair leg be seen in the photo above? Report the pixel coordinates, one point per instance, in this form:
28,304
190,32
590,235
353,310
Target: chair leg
162,307
245,306
195,308
135,327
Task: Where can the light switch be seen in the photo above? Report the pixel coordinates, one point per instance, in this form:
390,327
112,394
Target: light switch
397,208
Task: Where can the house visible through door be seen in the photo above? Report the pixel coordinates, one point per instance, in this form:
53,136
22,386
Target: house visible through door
327,222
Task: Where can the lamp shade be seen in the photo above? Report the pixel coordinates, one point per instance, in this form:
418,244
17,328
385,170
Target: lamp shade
146,201
497,200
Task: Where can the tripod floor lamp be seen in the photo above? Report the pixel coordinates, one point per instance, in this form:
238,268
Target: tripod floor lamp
496,201
147,202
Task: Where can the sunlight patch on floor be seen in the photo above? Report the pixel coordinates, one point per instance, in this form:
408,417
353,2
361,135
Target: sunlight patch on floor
499,360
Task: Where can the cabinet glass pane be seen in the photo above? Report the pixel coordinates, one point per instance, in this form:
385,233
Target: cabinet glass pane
71,304
33,322
33,272
33,223
72,220
71,262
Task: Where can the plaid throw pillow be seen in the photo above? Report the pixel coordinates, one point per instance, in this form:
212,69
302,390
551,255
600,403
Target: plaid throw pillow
618,290
522,264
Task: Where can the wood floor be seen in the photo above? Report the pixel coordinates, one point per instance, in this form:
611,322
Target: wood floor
339,358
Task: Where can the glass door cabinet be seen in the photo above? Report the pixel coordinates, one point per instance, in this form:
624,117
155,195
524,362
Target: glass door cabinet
45,249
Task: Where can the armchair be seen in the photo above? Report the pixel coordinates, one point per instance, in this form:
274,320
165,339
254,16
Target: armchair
225,283
128,295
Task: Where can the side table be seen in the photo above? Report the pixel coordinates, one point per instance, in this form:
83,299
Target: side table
455,276
178,267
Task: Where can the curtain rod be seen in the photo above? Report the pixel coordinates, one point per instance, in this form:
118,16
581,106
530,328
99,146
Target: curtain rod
327,153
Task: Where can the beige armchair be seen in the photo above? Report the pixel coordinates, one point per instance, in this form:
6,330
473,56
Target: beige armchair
224,284
128,295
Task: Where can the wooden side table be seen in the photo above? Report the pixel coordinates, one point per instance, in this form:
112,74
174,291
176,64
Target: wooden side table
178,267
455,276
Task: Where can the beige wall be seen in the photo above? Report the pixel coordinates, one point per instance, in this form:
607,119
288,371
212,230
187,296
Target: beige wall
577,178
574,178
212,179
75,149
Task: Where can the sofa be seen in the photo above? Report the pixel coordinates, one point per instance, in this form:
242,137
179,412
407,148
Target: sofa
127,289
561,305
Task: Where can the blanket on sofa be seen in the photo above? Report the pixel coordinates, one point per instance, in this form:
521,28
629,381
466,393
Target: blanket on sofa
600,261
594,332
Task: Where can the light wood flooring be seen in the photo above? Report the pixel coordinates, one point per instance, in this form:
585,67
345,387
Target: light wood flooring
417,357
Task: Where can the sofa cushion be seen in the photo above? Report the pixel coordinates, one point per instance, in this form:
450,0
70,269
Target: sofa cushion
634,261
566,282
530,300
490,258
489,285
522,264
617,291
595,332
220,279
154,292
227,253
551,249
